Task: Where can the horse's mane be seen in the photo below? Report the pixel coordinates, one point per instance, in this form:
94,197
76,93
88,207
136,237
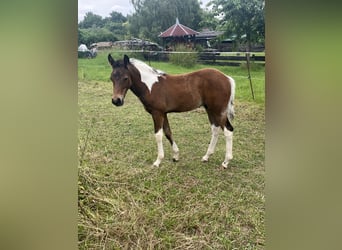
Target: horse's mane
149,75
143,66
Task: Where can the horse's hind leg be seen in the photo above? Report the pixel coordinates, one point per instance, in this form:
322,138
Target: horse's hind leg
168,134
214,136
228,133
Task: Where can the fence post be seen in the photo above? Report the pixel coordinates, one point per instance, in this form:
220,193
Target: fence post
249,74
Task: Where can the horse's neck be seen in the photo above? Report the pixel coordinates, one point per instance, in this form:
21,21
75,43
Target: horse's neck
139,89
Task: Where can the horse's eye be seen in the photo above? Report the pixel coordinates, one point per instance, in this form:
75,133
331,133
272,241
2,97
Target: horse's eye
126,78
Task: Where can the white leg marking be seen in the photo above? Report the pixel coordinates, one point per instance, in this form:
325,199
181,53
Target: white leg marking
159,139
175,151
211,149
229,147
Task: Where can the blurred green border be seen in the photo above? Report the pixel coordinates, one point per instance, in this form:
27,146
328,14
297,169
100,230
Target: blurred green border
38,125
303,86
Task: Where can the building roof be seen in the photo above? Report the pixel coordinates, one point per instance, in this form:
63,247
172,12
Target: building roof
178,30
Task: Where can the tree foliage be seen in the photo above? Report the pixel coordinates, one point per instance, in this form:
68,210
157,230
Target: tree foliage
94,28
94,35
242,18
116,24
209,20
152,17
91,20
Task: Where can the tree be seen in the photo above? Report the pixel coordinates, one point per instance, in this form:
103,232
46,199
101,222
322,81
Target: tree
115,17
242,18
115,23
152,17
91,20
94,35
95,29
209,20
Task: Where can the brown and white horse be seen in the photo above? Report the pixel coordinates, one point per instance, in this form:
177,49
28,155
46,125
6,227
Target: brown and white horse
162,93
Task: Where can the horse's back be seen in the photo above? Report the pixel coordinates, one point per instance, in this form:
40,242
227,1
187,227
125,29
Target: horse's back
213,75
213,82
204,87
202,82
207,76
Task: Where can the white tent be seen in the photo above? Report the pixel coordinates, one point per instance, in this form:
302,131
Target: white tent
83,48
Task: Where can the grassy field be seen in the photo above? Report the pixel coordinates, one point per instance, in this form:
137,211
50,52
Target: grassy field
124,203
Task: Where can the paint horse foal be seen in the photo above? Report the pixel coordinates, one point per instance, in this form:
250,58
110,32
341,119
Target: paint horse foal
162,93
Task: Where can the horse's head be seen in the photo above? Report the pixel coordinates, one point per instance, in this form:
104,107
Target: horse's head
121,79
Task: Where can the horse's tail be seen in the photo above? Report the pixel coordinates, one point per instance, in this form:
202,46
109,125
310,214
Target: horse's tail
231,112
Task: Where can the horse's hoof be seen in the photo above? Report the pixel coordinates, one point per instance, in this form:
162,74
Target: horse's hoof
204,159
174,160
224,165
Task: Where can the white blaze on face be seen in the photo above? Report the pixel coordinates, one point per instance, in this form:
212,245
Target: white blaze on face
149,75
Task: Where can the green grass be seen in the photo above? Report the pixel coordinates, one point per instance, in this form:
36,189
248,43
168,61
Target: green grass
124,203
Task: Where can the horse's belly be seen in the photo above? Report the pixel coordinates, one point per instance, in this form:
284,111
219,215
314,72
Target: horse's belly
184,103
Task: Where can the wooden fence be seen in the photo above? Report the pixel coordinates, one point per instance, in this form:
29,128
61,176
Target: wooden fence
231,60
210,58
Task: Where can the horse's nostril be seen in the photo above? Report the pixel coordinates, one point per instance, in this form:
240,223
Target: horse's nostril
117,102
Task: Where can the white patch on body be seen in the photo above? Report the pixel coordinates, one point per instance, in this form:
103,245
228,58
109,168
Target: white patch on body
149,75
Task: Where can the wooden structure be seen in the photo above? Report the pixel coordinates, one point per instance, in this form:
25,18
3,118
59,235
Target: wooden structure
178,33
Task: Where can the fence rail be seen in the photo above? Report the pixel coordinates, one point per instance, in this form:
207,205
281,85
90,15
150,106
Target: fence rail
211,58
232,60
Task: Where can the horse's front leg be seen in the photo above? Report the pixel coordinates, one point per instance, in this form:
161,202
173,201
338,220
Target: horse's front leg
158,120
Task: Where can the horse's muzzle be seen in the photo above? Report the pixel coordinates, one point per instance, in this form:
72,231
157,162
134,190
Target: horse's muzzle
117,102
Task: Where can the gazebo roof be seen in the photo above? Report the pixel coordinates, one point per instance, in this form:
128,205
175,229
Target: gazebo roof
178,30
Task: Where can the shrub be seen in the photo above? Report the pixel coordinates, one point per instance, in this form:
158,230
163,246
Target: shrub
187,59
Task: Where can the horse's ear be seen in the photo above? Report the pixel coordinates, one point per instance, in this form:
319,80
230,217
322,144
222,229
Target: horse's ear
110,60
126,60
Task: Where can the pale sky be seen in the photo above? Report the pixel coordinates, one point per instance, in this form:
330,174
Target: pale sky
104,7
